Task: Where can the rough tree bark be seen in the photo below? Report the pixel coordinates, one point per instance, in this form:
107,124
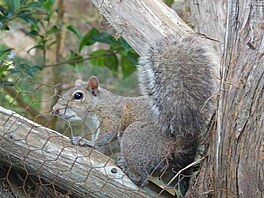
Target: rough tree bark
209,18
235,157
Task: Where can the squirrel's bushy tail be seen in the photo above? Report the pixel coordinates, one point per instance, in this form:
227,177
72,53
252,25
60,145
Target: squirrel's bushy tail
180,79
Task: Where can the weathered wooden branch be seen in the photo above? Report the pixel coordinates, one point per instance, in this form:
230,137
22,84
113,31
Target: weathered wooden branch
142,22
209,18
49,156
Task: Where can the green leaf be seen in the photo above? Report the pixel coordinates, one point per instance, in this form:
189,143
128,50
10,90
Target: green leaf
26,15
133,57
94,36
4,52
52,30
74,30
52,43
27,69
38,46
76,60
104,58
6,83
4,26
13,5
127,50
47,4
168,2
35,5
124,44
104,37
41,44
127,66
85,41
33,33
3,69
121,51
4,12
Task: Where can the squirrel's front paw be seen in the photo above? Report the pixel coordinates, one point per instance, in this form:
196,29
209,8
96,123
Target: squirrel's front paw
75,140
80,141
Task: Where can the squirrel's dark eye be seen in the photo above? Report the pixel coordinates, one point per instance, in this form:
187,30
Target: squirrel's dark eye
78,95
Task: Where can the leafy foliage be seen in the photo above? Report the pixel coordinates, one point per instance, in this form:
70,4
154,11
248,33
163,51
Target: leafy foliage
169,2
25,10
37,17
117,53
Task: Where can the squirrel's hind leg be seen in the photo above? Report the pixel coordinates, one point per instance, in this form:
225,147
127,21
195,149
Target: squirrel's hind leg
137,174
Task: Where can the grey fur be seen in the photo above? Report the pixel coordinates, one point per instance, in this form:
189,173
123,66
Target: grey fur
179,77
179,81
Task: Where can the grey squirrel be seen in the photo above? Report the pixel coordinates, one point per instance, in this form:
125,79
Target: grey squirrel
158,133
105,115
181,80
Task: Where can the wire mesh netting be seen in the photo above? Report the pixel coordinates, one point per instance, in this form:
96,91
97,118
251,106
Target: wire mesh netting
39,162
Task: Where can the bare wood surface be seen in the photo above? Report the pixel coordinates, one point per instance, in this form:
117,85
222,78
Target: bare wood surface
240,153
143,21
49,156
209,18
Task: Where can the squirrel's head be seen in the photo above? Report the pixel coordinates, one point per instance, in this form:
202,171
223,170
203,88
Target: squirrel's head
78,102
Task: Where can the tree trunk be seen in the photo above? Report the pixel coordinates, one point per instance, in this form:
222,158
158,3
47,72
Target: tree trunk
234,167
209,18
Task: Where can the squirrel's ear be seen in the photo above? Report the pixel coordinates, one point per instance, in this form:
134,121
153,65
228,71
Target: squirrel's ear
78,82
93,84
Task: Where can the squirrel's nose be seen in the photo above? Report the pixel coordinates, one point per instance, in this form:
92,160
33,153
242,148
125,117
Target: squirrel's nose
55,110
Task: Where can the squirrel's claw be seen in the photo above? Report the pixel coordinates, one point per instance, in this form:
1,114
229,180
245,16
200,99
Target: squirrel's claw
80,141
